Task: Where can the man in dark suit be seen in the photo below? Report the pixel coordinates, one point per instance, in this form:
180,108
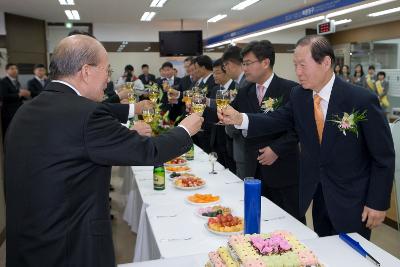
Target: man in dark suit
232,62
146,77
170,83
39,82
218,139
274,158
12,95
188,81
348,171
203,67
62,168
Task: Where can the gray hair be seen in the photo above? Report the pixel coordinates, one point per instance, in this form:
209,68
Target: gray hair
320,48
71,54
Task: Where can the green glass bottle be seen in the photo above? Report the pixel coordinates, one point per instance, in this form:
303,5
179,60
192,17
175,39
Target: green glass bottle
159,177
190,153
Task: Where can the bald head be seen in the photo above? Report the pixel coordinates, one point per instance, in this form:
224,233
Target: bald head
72,53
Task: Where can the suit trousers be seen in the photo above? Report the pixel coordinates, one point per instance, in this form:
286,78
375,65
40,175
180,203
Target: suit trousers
322,223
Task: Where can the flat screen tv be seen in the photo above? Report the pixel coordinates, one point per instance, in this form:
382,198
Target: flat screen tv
181,43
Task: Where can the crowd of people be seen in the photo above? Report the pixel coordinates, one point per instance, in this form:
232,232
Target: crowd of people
277,130
376,82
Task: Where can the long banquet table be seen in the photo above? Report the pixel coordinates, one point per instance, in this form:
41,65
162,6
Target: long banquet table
331,251
158,217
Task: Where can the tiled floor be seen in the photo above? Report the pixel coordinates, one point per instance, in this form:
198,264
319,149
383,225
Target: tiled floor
124,240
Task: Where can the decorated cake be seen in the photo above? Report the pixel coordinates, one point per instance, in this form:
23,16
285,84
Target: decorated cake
277,249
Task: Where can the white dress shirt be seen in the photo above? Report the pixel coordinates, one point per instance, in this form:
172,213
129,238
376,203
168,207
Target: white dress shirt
265,84
325,94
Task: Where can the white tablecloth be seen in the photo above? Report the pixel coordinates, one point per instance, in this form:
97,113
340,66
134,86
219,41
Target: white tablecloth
331,251
150,229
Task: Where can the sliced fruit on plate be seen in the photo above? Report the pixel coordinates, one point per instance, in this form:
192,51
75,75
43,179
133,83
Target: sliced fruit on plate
203,198
188,181
226,223
177,168
176,161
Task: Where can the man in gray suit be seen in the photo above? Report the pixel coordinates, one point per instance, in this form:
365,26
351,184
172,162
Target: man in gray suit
232,63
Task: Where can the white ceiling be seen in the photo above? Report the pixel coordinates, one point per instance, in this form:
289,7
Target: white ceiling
195,13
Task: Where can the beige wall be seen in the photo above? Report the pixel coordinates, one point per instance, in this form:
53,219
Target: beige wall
283,65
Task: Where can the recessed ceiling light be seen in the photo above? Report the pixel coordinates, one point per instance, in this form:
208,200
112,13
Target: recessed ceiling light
147,16
217,18
384,12
357,8
343,21
72,14
157,3
66,2
242,5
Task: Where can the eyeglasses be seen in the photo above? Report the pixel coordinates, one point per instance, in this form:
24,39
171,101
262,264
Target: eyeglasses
248,63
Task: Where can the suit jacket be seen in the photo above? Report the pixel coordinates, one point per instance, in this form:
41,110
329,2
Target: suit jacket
235,134
10,98
175,110
284,171
353,171
111,95
186,83
148,79
58,177
35,87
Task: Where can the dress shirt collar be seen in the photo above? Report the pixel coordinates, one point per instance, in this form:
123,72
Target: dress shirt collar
69,85
326,91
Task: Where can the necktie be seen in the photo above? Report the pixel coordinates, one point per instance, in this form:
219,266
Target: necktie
42,82
319,117
260,93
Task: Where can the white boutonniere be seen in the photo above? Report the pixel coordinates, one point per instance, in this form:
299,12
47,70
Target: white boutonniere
271,104
349,122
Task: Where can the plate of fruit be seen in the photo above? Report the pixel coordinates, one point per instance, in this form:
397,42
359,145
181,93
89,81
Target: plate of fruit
213,211
174,175
188,182
179,161
225,225
177,169
201,199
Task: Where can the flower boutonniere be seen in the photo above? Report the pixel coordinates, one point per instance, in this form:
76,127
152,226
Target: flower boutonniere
271,104
349,122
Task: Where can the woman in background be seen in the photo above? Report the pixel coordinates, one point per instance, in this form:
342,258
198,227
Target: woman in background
338,70
346,74
358,77
382,88
129,76
370,79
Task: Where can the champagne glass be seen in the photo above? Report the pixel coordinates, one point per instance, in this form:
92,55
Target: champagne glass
165,85
198,103
212,157
153,94
187,96
148,115
131,98
129,85
222,99
173,94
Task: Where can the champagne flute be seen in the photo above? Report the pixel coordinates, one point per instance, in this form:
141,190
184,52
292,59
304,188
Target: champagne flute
131,98
153,94
198,103
148,115
222,99
187,96
129,85
212,157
